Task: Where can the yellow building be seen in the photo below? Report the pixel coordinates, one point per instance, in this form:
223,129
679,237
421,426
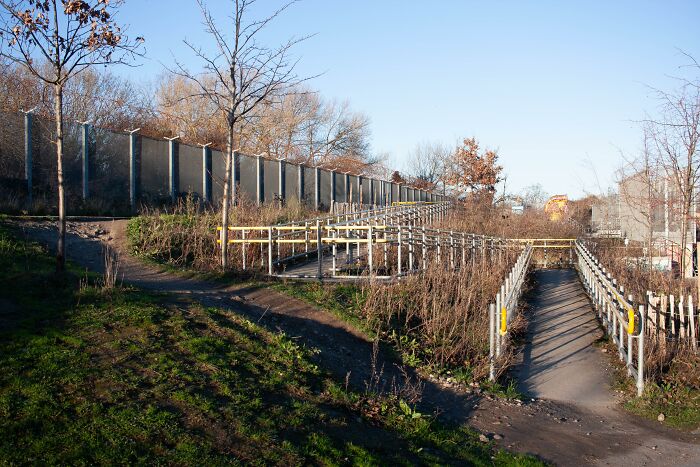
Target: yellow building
557,207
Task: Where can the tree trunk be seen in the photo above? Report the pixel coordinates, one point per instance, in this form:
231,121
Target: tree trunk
228,182
58,114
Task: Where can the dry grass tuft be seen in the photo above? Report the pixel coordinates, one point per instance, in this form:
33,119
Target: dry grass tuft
438,319
185,235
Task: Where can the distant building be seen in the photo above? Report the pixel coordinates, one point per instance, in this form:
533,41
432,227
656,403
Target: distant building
605,217
647,211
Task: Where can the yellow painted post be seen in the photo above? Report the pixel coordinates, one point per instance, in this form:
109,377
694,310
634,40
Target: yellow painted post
370,253
335,252
244,248
269,252
630,332
504,321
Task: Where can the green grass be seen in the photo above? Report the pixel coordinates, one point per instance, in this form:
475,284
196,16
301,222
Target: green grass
92,376
676,394
679,404
345,301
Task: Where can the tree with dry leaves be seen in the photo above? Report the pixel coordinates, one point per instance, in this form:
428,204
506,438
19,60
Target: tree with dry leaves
396,177
56,40
240,77
472,171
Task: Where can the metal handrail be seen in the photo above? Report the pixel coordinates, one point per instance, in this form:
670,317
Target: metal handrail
404,228
616,312
502,311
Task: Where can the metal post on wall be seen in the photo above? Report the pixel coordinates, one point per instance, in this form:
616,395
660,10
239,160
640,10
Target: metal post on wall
280,179
84,155
235,178
206,172
347,187
260,180
317,188
333,200
359,190
133,168
300,182
371,191
172,168
28,152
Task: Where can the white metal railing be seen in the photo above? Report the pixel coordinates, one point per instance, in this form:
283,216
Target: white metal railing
380,243
616,312
505,306
298,240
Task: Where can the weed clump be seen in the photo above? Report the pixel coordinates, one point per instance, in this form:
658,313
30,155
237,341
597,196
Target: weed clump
186,235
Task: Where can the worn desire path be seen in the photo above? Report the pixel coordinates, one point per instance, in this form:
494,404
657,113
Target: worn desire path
571,417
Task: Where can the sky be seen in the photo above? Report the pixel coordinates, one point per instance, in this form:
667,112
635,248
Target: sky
557,87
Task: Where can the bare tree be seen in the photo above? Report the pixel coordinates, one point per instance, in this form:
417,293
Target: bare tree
71,36
428,164
676,138
534,196
238,79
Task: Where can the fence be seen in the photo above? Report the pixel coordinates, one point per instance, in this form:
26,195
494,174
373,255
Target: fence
126,169
382,243
505,306
616,312
671,321
551,252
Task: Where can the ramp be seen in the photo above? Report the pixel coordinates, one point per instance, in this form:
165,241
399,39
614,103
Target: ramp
559,360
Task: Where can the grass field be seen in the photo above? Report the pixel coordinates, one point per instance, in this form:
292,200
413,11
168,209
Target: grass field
97,375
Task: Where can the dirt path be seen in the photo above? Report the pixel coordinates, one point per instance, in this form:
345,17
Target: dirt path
562,432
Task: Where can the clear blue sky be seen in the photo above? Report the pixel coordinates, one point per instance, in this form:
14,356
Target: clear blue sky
553,85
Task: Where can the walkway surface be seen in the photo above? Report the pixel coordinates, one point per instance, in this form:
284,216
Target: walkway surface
559,361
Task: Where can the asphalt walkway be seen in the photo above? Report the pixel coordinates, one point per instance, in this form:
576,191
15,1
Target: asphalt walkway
559,359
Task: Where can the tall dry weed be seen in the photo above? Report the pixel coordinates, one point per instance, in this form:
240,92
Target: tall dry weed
186,234
438,319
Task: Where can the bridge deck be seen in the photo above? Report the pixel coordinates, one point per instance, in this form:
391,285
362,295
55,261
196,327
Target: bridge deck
310,268
559,360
